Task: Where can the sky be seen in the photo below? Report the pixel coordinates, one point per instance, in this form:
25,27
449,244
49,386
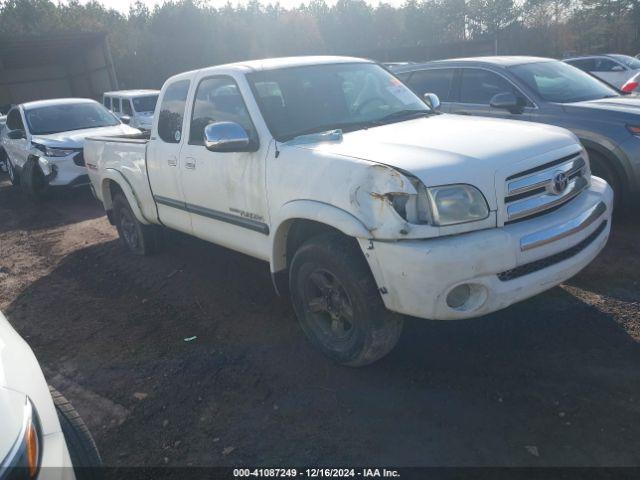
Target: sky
123,5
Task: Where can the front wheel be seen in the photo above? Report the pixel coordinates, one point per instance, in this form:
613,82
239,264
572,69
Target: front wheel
33,180
338,304
13,175
82,448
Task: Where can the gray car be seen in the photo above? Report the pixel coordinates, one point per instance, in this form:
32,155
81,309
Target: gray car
545,91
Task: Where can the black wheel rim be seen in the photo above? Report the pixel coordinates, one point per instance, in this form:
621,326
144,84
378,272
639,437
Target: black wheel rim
329,308
129,230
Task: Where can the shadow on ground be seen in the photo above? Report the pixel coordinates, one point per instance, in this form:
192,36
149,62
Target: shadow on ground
552,381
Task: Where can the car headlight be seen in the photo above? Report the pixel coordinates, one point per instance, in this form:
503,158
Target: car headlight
451,204
54,152
23,461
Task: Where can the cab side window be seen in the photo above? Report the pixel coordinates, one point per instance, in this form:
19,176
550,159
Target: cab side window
14,120
171,114
107,102
479,86
126,107
218,99
115,104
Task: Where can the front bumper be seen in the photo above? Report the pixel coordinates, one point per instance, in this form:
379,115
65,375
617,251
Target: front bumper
502,266
63,171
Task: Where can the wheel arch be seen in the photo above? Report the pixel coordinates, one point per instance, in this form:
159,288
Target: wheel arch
303,219
114,182
617,163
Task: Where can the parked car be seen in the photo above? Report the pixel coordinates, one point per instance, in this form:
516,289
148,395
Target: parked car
367,204
612,68
544,91
40,430
43,141
133,107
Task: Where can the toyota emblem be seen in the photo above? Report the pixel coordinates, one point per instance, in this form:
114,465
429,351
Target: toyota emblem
560,182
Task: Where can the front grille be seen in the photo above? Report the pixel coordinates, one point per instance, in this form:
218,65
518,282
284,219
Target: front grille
532,267
541,189
79,159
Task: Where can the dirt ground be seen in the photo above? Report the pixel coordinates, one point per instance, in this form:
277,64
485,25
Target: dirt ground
552,381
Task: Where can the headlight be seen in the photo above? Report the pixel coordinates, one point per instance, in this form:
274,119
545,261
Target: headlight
23,461
451,204
54,152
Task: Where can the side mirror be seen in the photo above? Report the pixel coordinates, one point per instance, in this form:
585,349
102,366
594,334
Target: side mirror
226,137
507,101
432,100
16,134
126,119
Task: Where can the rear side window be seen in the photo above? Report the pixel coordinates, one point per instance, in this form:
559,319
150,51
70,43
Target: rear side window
14,120
480,86
107,102
606,65
438,81
126,107
115,104
171,114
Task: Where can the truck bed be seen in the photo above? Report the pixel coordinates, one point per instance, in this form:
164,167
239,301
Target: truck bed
121,159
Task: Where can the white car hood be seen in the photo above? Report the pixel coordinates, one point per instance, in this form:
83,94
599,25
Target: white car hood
429,147
75,138
445,149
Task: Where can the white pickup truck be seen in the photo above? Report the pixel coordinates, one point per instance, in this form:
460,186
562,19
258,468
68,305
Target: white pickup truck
367,203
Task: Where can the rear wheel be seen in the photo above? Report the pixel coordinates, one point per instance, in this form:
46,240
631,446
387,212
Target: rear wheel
139,239
601,167
338,304
82,448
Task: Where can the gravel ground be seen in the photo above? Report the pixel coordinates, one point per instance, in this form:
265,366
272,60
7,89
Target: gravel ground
553,381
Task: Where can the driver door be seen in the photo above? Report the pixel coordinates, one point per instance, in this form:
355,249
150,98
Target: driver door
224,191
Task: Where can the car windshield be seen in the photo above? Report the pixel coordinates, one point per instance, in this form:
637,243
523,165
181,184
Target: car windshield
349,96
68,117
145,104
630,62
561,83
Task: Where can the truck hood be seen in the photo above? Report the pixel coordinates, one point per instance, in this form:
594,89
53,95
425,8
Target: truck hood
11,418
445,149
616,108
75,139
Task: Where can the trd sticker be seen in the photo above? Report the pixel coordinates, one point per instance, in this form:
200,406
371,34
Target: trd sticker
249,215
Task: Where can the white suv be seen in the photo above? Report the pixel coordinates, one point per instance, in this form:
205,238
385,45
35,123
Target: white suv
133,107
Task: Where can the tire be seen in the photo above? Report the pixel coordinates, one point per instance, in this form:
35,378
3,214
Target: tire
13,175
33,181
82,448
600,167
338,304
138,238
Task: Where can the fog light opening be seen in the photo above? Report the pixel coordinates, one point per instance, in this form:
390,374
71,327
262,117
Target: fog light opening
466,297
459,296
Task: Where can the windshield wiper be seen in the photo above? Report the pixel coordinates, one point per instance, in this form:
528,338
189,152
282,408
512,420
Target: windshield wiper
403,115
345,127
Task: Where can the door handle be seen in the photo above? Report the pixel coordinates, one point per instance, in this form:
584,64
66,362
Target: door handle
172,161
190,163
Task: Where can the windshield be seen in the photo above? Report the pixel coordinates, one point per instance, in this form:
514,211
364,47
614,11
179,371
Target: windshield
65,118
145,104
630,62
561,83
349,96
